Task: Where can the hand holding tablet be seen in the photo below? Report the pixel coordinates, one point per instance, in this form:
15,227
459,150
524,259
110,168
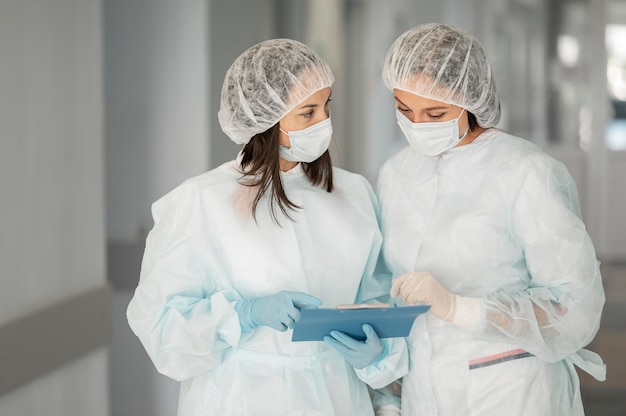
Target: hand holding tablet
387,321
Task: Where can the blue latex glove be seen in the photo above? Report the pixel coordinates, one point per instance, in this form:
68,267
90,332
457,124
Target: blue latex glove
358,354
279,311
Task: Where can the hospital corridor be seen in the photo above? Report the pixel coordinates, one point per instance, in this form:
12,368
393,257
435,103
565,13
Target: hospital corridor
607,398
106,106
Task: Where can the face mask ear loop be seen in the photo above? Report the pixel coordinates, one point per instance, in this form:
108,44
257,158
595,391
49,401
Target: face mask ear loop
464,134
286,134
466,130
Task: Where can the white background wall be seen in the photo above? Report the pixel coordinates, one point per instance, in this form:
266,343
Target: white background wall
157,111
52,238
157,72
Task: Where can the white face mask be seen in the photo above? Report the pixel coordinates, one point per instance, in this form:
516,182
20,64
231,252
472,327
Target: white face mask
431,138
308,144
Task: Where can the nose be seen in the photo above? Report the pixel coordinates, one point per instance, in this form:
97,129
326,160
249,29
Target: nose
410,116
326,114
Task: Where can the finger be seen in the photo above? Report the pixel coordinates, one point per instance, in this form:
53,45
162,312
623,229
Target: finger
287,322
415,281
413,289
414,297
405,298
396,284
427,289
291,316
395,288
304,300
306,306
417,293
279,326
288,315
337,345
370,333
294,316
345,339
407,282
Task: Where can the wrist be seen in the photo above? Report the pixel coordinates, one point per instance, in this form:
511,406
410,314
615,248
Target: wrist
468,313
244,311
381,356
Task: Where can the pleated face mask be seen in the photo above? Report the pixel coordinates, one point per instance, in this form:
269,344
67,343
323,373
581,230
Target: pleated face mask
431,138
308,144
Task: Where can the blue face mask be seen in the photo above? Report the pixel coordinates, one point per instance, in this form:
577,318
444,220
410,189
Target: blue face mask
431,138
308,144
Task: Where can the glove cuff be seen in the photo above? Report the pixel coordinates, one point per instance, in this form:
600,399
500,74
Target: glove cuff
244,308
468,313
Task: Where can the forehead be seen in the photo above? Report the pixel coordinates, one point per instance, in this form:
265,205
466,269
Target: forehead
318,98
426,87
416,101
308,82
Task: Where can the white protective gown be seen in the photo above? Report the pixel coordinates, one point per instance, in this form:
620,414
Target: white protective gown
206,251
499,220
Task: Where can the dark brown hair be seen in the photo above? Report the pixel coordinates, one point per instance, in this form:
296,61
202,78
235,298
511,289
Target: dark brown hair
471,119
260,163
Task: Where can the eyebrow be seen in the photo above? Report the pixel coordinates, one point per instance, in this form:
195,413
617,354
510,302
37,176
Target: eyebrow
442,107
313,105
308,106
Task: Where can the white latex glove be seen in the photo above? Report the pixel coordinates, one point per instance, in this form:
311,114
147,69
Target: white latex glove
422,287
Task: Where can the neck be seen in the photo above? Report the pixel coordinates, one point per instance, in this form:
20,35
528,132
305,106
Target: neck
286,165
471,136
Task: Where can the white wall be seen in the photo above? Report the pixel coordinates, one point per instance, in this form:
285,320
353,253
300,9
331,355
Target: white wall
51,179
156,136
156,95
372,134
78,389
234,26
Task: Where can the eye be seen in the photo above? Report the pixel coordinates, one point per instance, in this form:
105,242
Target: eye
436,116
403,110
308,114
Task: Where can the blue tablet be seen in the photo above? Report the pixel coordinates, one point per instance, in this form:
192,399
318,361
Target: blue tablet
388,322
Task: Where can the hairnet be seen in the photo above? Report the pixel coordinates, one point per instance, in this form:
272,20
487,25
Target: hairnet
265,83
445,64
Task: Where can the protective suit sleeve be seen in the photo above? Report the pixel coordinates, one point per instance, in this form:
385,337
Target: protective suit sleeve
560,311
183,308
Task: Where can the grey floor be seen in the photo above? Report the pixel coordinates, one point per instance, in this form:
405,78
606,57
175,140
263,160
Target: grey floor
608,398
